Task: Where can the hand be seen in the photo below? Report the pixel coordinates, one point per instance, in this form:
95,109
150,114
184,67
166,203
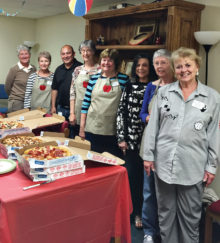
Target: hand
82,133
53,110
123,146
208,178
147,118
72,119
148,165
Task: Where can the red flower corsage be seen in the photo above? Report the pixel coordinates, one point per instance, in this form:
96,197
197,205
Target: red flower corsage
85,84
107,88
42,87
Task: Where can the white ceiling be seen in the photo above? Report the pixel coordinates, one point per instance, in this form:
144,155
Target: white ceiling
43,8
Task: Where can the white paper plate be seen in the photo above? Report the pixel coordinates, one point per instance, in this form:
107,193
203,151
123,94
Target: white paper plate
7,165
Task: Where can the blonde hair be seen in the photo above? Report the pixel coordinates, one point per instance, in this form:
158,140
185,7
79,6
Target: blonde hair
183,52
112,54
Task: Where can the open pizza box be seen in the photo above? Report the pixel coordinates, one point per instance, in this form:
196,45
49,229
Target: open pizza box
82,148
10,148
62,140
44,121
34,119
14,131
44,170
26,114
30,120
78,154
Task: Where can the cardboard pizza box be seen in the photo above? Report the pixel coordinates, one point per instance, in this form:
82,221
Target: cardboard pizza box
57,169
29,134
13,131
30,164
77,148
57,175
80,152
32,120
21,116
45,163
44,121
105,158
11,149
3,151
15,113
60,138
26,114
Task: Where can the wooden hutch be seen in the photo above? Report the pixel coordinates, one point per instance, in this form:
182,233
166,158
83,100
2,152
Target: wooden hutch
174,22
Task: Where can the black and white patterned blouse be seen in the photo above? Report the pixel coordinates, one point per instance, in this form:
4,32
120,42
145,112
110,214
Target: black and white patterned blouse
129,124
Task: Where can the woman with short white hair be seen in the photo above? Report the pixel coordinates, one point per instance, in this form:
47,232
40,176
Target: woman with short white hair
163,69
16,81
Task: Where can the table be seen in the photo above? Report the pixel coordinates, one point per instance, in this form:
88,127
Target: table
91,207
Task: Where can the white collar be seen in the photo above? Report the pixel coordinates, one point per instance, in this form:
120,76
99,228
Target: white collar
26,69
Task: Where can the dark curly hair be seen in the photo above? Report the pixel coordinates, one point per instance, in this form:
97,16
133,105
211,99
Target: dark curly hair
152,74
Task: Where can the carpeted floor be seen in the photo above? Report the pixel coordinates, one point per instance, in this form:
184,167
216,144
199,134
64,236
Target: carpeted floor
138,235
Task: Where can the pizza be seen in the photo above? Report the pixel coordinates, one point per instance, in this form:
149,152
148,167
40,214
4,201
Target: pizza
47,152
21,141
10,124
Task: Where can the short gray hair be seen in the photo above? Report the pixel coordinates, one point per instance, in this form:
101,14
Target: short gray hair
162,53
22,48
87,43
45,54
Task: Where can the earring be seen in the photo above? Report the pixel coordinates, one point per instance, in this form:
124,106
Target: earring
197,73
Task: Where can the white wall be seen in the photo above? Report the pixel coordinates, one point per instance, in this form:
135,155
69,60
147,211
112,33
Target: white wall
13,31
49,33
211,21
53,32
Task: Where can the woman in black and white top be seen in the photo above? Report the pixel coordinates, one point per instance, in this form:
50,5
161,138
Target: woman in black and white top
130,129
38,89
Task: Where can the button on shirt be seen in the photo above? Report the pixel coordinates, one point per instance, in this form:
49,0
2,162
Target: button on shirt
182,137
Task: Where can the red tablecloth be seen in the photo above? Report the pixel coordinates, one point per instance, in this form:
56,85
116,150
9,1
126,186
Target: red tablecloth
92,207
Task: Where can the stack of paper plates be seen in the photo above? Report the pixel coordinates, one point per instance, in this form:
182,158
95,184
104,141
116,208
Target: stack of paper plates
7,165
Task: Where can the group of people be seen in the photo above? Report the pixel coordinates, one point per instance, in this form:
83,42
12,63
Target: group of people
162,121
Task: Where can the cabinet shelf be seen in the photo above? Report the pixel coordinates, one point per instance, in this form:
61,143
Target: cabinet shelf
174,22
129,47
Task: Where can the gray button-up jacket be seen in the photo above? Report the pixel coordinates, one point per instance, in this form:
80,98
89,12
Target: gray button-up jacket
182,137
